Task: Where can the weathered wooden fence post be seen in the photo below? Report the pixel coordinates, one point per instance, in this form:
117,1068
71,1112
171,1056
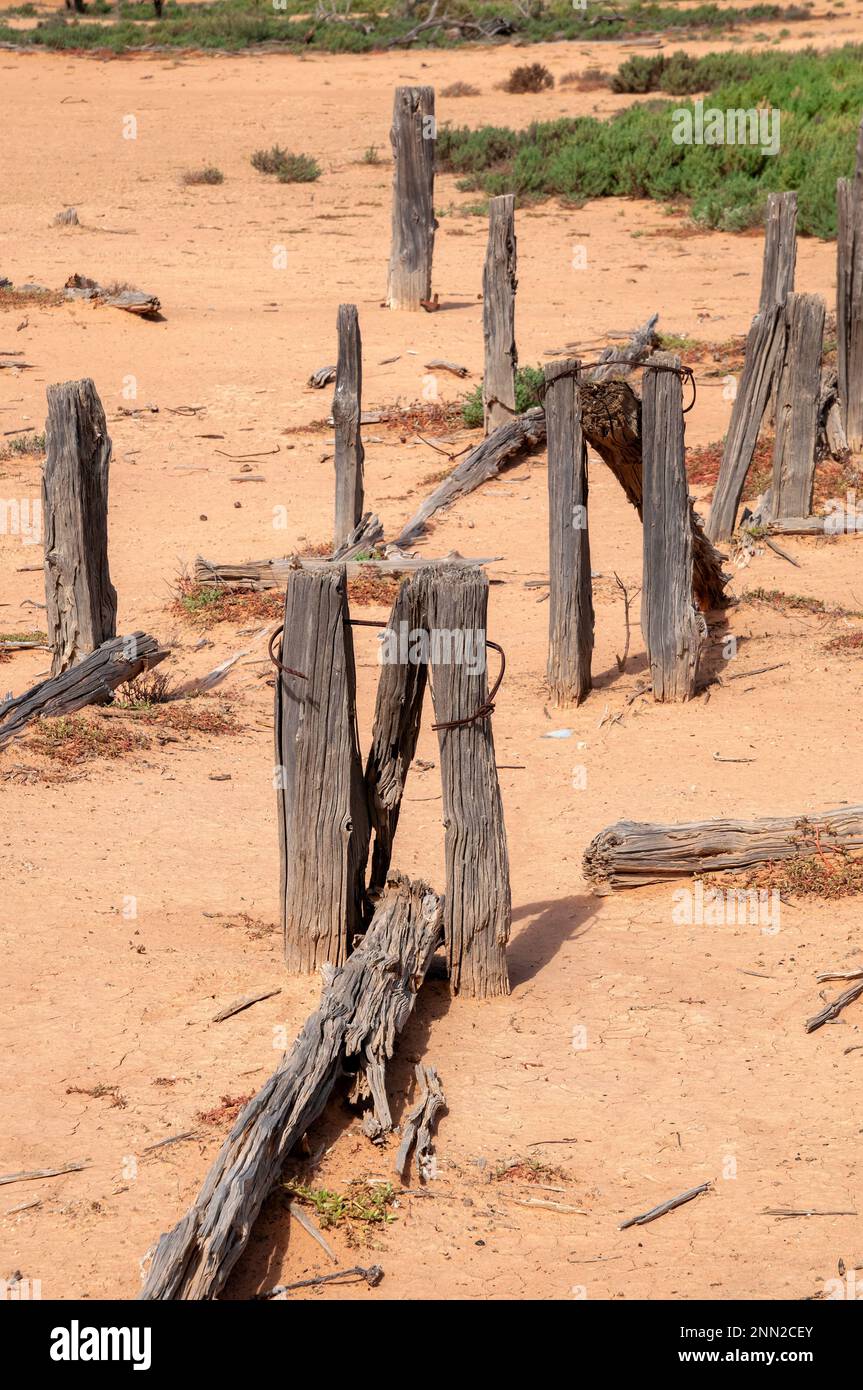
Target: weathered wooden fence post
672,627
322,814
498,314
347,406
570,617
780,250
764,347
412,137
398,708
80,598
798,395
849,299
477,910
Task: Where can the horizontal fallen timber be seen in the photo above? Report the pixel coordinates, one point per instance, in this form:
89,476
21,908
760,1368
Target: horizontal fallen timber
629,854
89,683
272,574
363,1006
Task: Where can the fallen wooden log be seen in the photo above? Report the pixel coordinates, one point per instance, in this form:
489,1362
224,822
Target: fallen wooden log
89,683
273,574
629,854
834,1008
611,422
523,435
364,1004
133,301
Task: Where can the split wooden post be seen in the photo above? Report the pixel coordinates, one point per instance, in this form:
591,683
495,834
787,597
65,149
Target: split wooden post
322,814
780,250
347,406
477,910
672,627
412,137
764,348
570,616
81,601
849,299
798,395
498,314
398,709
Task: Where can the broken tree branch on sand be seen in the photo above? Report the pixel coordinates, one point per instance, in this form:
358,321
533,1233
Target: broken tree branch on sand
89,683
420,1123
629,854
363,1006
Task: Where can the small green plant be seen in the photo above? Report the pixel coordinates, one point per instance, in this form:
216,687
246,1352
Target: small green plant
209,174
25,445
269,161
364,1202
528,384
371,156
299,168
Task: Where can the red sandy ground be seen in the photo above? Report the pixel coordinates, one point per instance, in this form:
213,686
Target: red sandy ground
696,1053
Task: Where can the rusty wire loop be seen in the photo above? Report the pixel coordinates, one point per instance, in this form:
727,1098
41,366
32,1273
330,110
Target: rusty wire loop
685,374
486,709
285,670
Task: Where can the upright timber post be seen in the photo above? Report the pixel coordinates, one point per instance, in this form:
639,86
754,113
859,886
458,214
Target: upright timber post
477,911
498,314
80,599
673,629
412,137
780,249
570,616
347,406
849,299
798,396
322,814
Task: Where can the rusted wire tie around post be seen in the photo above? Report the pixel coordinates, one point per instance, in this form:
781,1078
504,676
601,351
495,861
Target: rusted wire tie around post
285,670
685,374
485,710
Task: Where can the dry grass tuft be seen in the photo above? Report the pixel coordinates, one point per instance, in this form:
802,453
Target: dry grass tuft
77,738
208,175
226,1111
530,77
370,588
205,604
460,89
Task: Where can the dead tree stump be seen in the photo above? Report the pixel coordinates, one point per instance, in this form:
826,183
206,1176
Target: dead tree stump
477,909
849,299
347,405
764,348
780,250
81,600
322,814
398,708
798,397
570,617
412,137
498,314
673,629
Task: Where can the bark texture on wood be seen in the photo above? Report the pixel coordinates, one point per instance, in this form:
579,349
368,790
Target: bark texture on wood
631,853
398,709
274,574
498,314
477,903
831,431
367,534
412,138
849,299
347,404
611,423
780,250
420,1122
673,629
798,395
364,1005
89,683
570,617
322,814
81,600
764,347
